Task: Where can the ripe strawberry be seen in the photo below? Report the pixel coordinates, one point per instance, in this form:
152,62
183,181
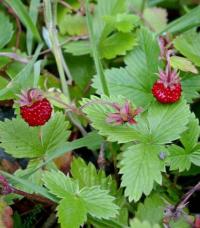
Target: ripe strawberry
168,88
34,108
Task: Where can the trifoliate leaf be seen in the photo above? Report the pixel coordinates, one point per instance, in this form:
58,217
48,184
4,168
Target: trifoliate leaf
191,86
123,22
135,223
71,212
136,80
54,133
141,168
88,176
20,140
72,24
6,28
156,18
153,126
152,210
188,45
102,9
98,202
59,184
183,64
117,44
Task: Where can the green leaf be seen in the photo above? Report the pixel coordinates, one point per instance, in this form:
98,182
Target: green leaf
162,117
37,189
183,64
153,126
22,80
184,23
99,203
71,212
72,24
141,168
88,176
3,82
22,13
135,223
152,209
122,22
136,80
191,86
178,158
109,48
6,28
181,158
59,184
189,138
98,112
78,48
156,18
102,9
54,133
20,140
33,13
188,45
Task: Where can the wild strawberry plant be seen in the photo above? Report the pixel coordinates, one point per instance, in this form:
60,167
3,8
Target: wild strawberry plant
105,98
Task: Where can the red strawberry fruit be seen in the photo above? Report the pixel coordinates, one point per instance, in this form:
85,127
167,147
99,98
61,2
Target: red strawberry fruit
168,88
34,108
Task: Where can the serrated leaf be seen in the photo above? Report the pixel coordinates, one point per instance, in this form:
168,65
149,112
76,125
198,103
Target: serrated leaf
162,117
6,28
54,133
188,45
189,138
181,158
141,168
71,212
88,176
98,202
122,22
183,64
102,9
98,112
178,158
153,126
109,48
136,80
72,24
20,140
156,18
152,209
59,184
191,86
135,223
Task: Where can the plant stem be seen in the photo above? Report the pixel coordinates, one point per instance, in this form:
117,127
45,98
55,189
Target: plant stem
32,196
98,65
50,18
143,5
50,22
